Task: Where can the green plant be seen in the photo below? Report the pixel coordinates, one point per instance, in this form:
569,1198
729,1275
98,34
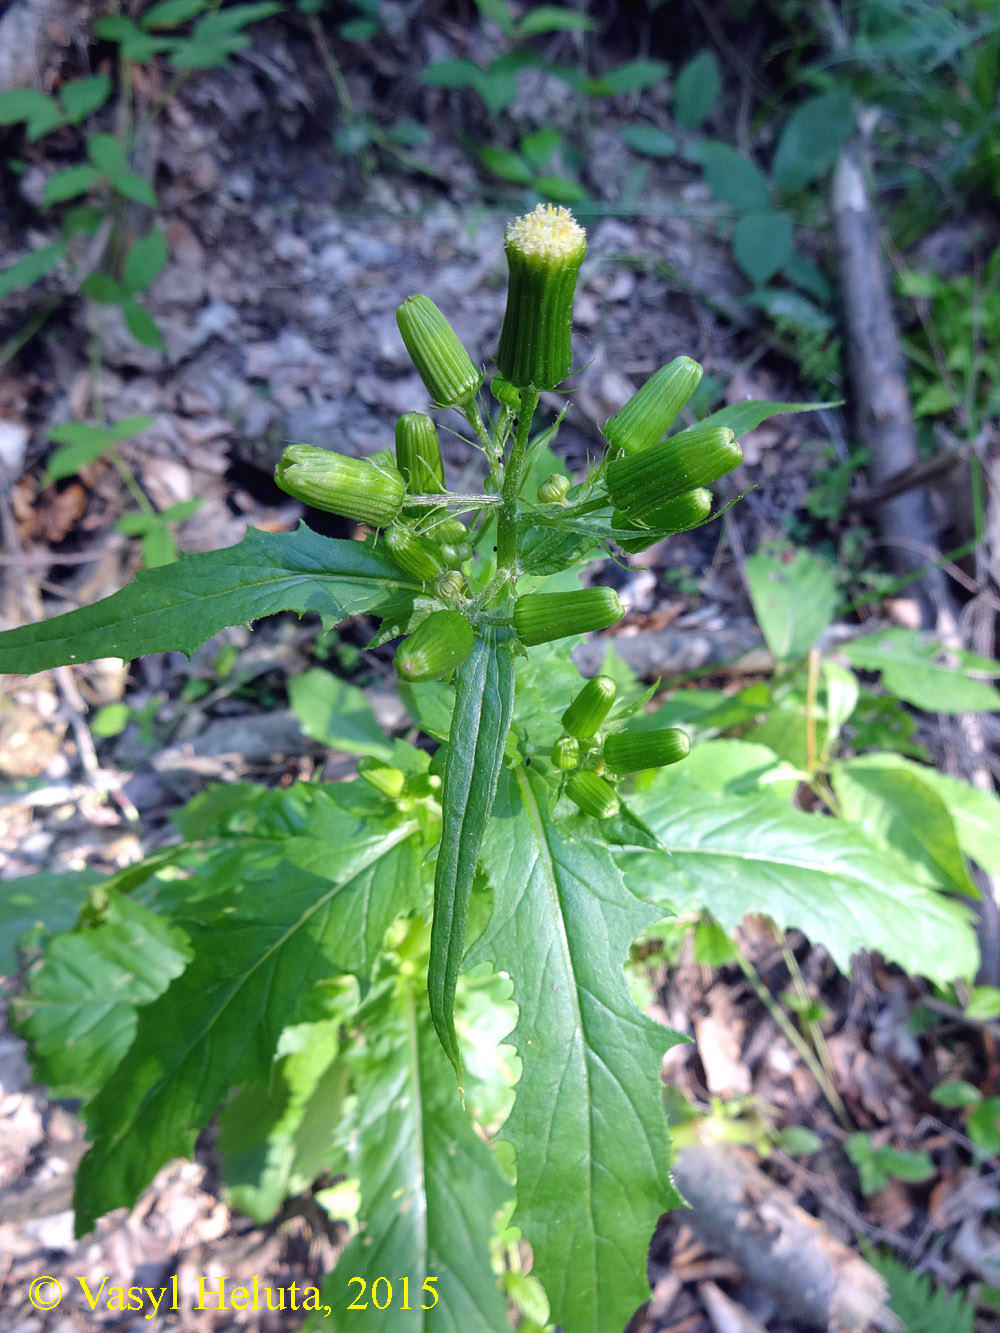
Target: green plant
877,1166
99,186
953,362
983,1122
922,1306
277,961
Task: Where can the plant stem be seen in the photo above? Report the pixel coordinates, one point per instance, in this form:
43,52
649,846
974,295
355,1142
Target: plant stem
507,517
796,1039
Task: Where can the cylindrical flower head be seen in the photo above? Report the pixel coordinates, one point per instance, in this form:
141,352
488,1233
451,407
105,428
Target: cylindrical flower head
434,347
566,752
591,706
545,249
643,483
593,794
553,489
435,647
651,411
630,751
412,554
687,511
418,454
541,616
357,488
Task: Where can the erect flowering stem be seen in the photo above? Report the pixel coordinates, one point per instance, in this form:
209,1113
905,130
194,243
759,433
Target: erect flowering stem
507,517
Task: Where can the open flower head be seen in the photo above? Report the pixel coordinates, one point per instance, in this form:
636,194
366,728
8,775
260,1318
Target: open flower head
544,249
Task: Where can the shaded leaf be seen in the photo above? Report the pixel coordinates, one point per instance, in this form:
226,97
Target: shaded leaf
762,244
588,1126
337,714
887,796
794,597
218,1024
732,177
735,855
697,89
427,1205
648,140
44,901
31,267
81,97
79,1012
177,608
924,673
145,260
70,183
812,139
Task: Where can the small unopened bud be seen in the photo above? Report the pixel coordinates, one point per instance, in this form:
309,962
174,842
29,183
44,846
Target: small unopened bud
435,647
593,794
418,454
591,706
651,411
505,392
541,616
686,511
643,483
630,751
383,777
553,489
357,488
412,554
434,347
448,530
544,249
450,585
566,753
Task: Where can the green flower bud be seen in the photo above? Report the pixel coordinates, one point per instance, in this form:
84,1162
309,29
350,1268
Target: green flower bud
553,489
545,249
435,647
505,393
650,412
357,488
418,454
593,795
686,511
630,751
423,784
643,483
449,531
566,752
451,584
591,706
541,616
383,777
441,361
412,554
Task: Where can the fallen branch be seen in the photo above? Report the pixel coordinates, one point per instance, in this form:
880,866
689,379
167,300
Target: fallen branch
817,1280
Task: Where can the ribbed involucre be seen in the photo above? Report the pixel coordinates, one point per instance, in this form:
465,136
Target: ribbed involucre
642,483
542,616
653,408
358,488
441,361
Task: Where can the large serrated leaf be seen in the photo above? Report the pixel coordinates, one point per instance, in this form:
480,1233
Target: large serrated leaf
976,814
429,1186
588,1125
281,924
79,1012
45,901
925,673
484,701
889,798
736,855
179,606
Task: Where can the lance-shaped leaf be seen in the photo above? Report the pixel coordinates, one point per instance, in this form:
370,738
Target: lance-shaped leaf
429,1186
736,855
259,946
484,700
179,606
588,1125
